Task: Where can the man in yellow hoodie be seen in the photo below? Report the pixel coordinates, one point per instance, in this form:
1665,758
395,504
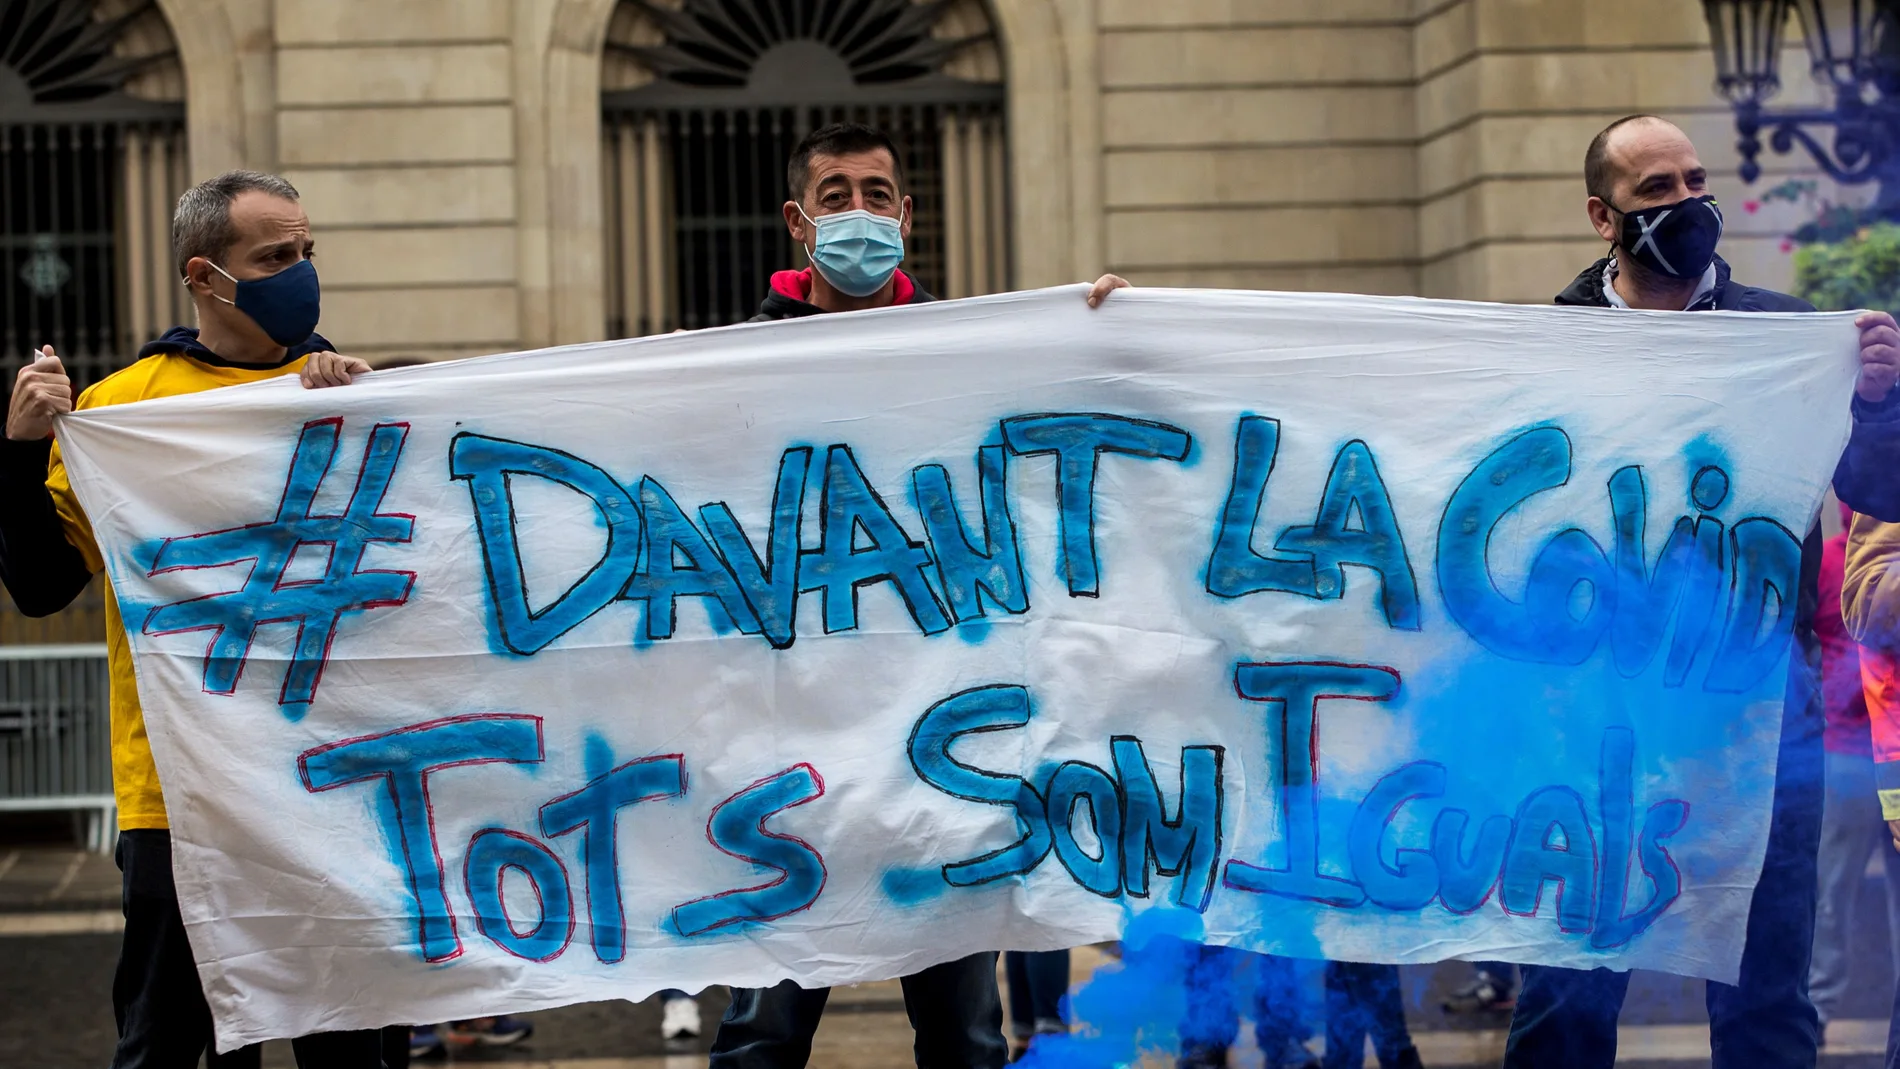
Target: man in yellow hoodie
243,248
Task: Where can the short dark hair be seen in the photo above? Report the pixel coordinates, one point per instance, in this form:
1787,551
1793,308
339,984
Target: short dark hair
838,139
201,224
1599,177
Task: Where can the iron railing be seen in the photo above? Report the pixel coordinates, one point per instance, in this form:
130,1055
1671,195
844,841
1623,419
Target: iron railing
56,733
86,194
694,199
85,247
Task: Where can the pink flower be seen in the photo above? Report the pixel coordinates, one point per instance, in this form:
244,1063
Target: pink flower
1786,245
1751,206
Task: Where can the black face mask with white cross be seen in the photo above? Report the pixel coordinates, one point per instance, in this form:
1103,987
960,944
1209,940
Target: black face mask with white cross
1675,240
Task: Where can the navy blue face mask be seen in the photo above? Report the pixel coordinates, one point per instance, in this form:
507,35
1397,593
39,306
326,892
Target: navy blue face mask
1677,240
283,305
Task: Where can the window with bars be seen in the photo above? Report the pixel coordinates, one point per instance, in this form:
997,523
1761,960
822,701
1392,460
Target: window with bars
704,102
92,157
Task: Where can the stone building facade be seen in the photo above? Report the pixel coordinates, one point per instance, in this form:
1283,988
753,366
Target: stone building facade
474,188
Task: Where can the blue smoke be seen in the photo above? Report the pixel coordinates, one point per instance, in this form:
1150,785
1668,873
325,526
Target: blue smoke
1136,1007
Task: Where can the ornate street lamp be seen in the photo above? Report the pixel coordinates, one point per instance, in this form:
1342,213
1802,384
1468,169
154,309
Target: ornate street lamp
1853,49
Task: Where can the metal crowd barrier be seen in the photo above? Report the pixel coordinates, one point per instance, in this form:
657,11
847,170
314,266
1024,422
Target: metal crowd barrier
56,736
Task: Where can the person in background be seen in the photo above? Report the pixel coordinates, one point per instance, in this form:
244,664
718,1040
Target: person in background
242,247
1493,989
679,1017
1870,608
1037,982
1852,827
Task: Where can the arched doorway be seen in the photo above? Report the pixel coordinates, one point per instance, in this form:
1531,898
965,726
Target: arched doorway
702,100
92,157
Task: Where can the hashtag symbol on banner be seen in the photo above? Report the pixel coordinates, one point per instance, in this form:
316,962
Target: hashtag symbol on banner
314,605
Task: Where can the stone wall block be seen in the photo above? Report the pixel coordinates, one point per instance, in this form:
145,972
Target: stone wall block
1151,117
385,318
429,135
1377,54
404,256
406,195
1261,176
1264,236
1116,13
400,74
328,22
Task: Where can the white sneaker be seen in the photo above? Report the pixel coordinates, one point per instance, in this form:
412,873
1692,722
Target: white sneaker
679,1019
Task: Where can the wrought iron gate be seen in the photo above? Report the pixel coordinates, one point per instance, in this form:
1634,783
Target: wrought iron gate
88,174
694,159
92,157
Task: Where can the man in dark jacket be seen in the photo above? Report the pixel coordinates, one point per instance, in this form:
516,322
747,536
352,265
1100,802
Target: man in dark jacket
1648,197
850,214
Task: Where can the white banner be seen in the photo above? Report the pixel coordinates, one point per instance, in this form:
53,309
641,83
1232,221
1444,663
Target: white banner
1363,628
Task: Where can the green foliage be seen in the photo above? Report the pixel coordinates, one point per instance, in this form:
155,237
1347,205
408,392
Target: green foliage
1832,222
1859,270
1845,257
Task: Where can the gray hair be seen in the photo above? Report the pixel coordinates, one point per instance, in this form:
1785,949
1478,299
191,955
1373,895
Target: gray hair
201,226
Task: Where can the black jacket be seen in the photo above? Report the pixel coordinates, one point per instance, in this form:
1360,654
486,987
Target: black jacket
1728,295
783,300
42,570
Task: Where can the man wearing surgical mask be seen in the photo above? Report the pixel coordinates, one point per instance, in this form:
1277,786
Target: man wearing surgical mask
242,246
848,212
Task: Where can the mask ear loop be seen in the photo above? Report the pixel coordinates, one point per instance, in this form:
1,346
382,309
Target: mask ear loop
1616,243
810,262
186,282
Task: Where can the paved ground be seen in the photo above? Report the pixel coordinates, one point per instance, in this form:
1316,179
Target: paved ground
41,877
58,941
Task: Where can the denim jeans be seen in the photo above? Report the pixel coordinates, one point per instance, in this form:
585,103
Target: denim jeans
1852,831
953,1007
1566,1018
1037,982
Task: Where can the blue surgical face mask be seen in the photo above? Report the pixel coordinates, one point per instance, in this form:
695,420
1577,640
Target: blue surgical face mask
856,251
284,305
